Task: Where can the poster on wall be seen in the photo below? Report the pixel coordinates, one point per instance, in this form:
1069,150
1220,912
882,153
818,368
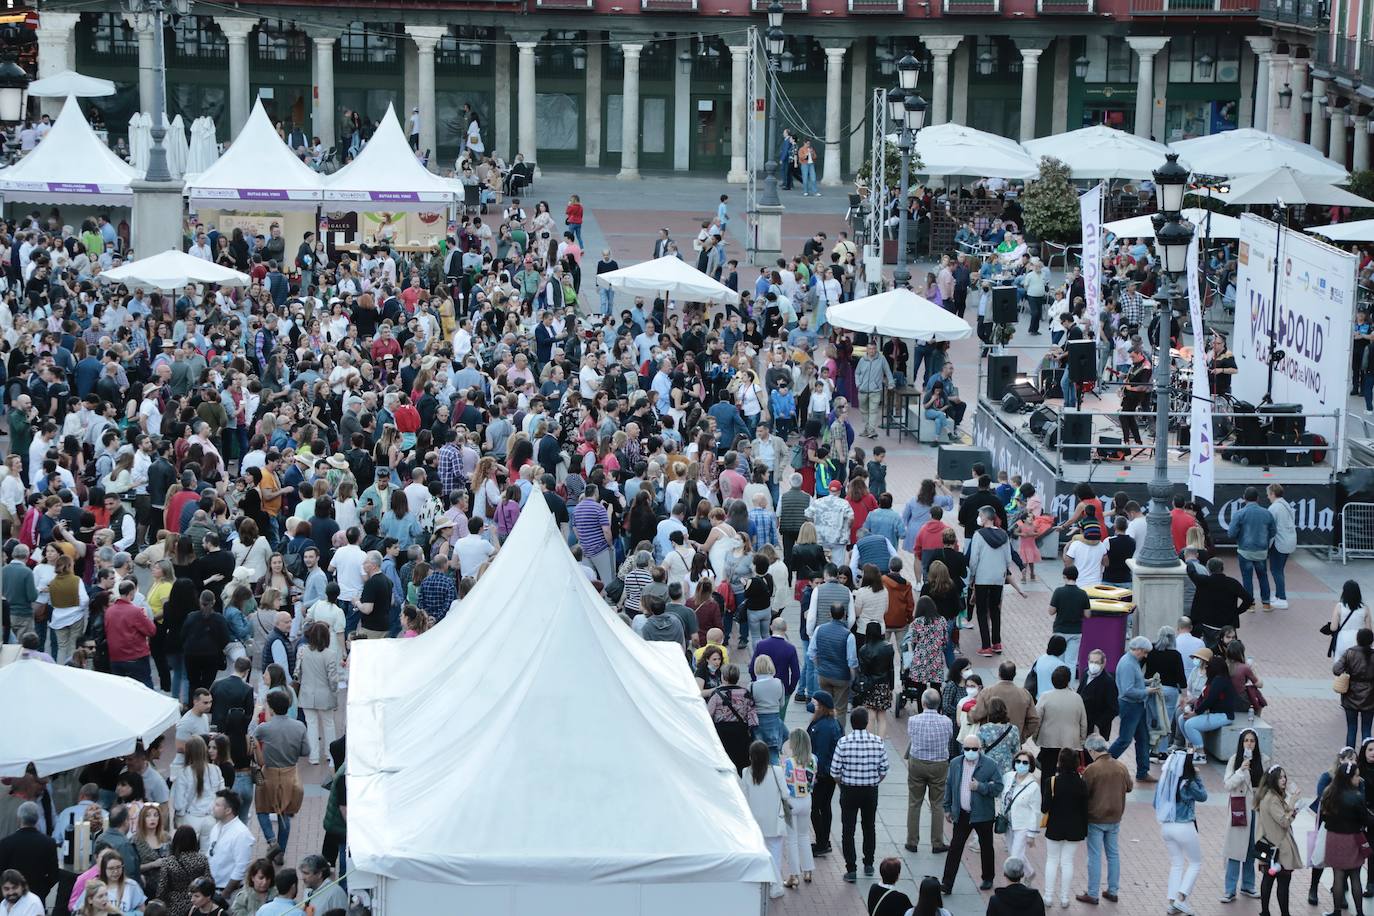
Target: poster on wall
1308,331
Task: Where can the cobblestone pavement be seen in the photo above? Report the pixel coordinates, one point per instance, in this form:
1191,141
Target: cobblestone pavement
1308,723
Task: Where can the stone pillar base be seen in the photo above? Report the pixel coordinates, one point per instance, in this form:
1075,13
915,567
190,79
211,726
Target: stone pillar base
736,176
769,246
158,216
628,174
1158,597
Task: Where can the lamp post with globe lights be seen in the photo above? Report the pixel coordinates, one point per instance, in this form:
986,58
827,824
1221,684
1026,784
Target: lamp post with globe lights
907,111
774,39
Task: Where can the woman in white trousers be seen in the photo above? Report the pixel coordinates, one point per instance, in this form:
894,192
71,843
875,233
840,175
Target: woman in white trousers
1178,791
1021,807
799,777
763,791
193,792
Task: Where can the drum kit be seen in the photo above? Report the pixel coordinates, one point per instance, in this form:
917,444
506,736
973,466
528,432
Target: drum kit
1181,398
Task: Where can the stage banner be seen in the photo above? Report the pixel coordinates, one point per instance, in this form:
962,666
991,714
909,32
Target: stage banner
1201,469
1311,323
1090,216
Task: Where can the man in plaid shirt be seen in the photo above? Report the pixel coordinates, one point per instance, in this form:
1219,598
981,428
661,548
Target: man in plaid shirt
1132,306
763,524
859,764
927,764
438,590
450,463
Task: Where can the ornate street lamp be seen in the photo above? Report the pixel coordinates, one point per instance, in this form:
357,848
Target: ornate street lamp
1080,68
774,39
14,92
907,111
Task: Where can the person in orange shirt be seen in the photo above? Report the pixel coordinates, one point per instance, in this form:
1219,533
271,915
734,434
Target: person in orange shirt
272,491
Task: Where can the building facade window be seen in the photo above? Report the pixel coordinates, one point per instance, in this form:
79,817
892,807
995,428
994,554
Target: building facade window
369,43
1186,50
112,36
1110,60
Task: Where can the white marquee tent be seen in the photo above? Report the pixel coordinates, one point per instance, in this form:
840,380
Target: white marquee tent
257,170
68,83
1292,187
898,313
492,761
953,149
1247,151
1360,230
670,275
70,166
1219,226
1101,152
386,175
74,717
173,270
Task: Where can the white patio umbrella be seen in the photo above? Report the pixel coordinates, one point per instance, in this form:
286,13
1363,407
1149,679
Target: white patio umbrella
173,270
1293,188
69,83
1219,226
1101,152
952,149
898,313
1248,151
177,148
140,140
669,275
1361,230
203,150
61,718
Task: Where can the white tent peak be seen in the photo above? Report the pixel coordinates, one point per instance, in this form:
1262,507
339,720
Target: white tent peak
174,269
257,166
457,737
1247,150
668,274
387,173
1101,152
70,83
899,313
70,165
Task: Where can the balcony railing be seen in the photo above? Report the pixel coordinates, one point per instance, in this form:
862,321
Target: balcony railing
563,4
1065,7
972,7
878,7
790,6
1305,13
1194,7
1367,65
668,6
1345,61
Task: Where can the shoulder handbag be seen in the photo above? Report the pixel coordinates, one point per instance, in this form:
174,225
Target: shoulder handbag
1326,630
878,905
1240,811
1341,683
1002,822
255,764
1045,815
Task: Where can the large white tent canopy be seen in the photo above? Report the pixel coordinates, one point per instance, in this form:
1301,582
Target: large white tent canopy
487,758
387,175
59,718
1101,152
256,169
1217,226
953,149
1293,188
173,270
1248,151
898,313
70,166
69,83
1360,230
669,275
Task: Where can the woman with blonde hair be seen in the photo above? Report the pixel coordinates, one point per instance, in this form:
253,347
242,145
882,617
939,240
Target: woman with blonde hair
193,793
252,550
808,556
317,673
486,492
151,840
346,503
96,899
799,779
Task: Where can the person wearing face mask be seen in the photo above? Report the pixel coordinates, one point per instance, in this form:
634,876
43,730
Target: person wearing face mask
1098,689
971,789
1021,809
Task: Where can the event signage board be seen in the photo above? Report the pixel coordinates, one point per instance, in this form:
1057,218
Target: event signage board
1090,215
1312,322
1314,505
1201,454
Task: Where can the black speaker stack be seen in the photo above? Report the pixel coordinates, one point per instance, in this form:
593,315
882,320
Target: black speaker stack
1004,304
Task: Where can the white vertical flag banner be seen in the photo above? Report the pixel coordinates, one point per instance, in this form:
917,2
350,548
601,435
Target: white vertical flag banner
1090,216
1201,455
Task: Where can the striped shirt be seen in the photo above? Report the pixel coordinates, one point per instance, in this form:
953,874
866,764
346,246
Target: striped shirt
860,759
589,519
763,527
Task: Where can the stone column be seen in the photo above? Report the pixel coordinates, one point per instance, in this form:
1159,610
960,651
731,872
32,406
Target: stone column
502,142
324,90
54,35
1263,47
1317,138
684,117
1359,159
1278,71
1145,48
834,77
1337,150
236,31
593,106
860,100
739,115
940,48
963,62
1297,81
426,37
147,82
529,143
629,112
1030,82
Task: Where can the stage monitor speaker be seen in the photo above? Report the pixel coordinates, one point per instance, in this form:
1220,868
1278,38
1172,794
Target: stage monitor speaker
1110,448
1011,403
955,462
1285,429
1078,433
1042,420
1082,361
1027,392
1001,374
1004,304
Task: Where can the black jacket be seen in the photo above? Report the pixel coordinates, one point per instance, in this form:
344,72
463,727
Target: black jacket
968,510
1066,803
1219,599
32,854
1099,701
204,635
1016,900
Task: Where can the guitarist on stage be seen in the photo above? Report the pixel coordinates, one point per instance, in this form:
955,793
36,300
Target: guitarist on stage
1135,395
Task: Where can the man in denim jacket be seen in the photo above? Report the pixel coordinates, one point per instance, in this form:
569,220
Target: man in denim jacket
1253,529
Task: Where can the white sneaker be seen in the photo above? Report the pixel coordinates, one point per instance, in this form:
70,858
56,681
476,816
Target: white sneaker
1199,759
1183,907
1280,603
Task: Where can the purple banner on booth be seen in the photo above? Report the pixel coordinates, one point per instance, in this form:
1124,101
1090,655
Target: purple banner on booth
262,194
393,195
73,187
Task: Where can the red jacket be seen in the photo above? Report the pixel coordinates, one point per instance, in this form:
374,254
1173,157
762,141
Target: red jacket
127,630
931,536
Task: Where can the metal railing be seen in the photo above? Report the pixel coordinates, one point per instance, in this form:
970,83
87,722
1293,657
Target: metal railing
972,7
879,7
1357,530
1194,7
1346,60
1306,13
1065,7
789,6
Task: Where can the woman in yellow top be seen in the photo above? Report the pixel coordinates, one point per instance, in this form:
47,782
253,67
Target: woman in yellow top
161,587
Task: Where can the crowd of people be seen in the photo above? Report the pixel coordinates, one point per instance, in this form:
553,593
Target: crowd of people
217,491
